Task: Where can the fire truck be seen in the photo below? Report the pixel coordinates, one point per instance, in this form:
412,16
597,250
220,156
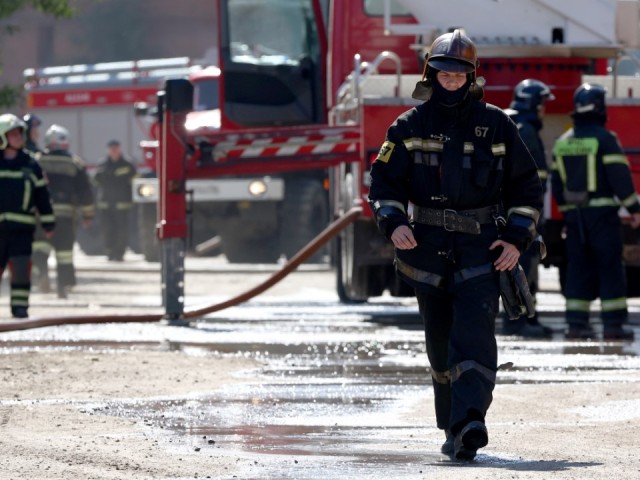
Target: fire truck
311,86
95,102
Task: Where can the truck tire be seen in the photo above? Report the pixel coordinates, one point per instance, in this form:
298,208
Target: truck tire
149,244
356,283
304,214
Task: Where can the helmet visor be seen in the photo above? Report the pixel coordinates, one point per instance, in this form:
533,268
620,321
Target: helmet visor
450,65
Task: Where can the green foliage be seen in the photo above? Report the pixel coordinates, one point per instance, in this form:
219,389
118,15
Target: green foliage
9,94
56,8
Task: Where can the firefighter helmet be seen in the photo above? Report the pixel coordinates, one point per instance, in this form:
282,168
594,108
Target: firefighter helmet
9,122
453,52
590,98
530,94
56,137
32,120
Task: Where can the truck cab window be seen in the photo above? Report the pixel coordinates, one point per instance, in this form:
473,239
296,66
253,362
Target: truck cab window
272,63
376,8
269,33
205,95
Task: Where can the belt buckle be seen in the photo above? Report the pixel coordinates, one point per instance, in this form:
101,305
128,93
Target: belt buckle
450,215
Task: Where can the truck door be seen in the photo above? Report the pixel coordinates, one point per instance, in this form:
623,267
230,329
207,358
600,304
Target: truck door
271,57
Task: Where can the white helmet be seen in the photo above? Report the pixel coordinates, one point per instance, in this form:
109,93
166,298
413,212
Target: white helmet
57,137
8,122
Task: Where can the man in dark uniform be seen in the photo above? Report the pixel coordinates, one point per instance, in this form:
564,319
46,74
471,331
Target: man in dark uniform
70,191
33,123
23,195
590,179
448,173
114,177
527,111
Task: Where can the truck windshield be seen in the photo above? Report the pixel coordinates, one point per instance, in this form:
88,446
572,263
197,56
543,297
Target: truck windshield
205,94
269,33
376,8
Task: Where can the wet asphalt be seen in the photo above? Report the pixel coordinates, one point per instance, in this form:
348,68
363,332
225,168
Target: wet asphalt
334,383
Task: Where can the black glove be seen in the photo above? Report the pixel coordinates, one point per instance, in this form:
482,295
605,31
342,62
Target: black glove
516,296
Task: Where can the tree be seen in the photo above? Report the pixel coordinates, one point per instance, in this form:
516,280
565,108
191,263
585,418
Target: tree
56,8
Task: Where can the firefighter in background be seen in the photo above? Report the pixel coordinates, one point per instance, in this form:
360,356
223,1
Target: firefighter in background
33,123
40,242
114,177
71,194
459,162
23,194
590,179
527,111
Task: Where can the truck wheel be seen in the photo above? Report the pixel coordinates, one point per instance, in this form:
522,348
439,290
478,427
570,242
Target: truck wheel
304,214
356,283
149,245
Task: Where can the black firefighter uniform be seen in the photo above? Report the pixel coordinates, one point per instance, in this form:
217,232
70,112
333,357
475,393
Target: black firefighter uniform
23,197
590,179
458,170
71,194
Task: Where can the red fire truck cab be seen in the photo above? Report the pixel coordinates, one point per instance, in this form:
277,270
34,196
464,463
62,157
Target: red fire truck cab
309,87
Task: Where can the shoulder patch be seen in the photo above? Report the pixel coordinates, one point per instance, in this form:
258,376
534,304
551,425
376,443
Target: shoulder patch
385,151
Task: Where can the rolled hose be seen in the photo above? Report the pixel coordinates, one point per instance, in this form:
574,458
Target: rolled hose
307,251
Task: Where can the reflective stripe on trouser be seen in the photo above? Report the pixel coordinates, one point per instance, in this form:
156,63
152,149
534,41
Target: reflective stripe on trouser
459,332
62,242
20,280
594,266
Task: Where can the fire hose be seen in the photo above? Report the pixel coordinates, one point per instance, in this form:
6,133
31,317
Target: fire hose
307,251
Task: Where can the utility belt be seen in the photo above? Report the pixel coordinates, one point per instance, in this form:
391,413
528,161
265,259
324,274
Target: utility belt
464,221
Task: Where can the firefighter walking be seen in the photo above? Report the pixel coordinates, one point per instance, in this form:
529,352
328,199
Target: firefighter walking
114,177
590,180
462,165
71,194
23,196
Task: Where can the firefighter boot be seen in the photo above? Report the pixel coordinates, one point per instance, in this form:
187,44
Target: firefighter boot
616,332
19,312
521,327
448,445
580,332
472,437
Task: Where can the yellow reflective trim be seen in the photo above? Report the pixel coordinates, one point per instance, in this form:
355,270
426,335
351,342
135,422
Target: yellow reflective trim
592,176
15,302
615,158
423,144
614,304
19,293
499,149
26,196
528,212
385,152
11,174
41,246
123,205
49,218
88,210
122,171
543,174
17,218
577,305
64,257
630,200
603,202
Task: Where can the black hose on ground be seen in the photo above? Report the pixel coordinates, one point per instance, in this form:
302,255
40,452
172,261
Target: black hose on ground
312,247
